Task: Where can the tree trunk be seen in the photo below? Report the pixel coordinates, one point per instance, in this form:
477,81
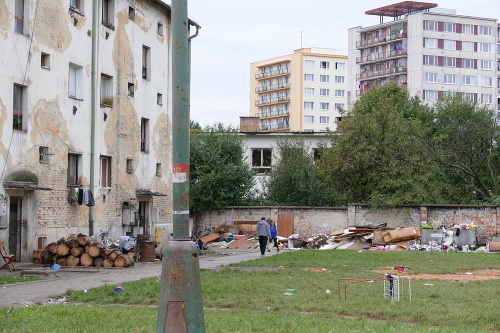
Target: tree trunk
86,260
94,251
52,248
62,250
107,263
73,261
73,243
123,260
77,251
98,262
112,256
83,240
62,262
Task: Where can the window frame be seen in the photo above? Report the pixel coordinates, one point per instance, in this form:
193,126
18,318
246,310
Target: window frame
324,64
144,135
261,159
74,167
324,92
339,79
308,119
324,106
339,93
309,64
18,107
324,78
75,81
308,77
449,79
308,91
105,171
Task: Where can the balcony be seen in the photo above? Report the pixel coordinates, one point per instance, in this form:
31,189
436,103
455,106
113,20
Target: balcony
273,100
273,113
374,57
277,72
274,127
381,73
275,86
380,40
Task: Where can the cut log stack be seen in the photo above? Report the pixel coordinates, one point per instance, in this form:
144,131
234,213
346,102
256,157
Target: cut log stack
80,251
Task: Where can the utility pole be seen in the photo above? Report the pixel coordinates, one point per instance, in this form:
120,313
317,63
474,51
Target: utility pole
180,308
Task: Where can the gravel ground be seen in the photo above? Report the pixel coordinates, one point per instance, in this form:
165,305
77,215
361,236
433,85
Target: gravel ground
56,283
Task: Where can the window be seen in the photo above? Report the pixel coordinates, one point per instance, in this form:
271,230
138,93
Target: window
324,106
308,119
467,80
467,63
450,61
44,154
19,16
309,91
486,81
158,169
485,47
450,44
144,134
468,96
146,62
130,89
76,5
431,77
430,95
261,160
449,79
324,92
486,65
324,78
160,29
130,165
324,64
45,60
339,79
324,120
105,171
108,14
308,105
339,93
486,99
339,66
75,83
131,14
309,63
468,46
430,43
339,106
106,90
450,27
338,119
430,25
430,60
468,29
309,77
74,171
484,30
18,107
159,99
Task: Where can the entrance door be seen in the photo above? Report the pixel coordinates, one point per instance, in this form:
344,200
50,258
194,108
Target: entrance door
15,225
144,217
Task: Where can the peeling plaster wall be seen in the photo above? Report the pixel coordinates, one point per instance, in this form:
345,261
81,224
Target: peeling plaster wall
54,120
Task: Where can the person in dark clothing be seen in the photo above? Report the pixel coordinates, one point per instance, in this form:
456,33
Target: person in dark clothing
263,233
274,237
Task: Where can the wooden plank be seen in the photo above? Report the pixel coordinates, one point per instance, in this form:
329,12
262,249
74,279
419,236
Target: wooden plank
285,225
210,237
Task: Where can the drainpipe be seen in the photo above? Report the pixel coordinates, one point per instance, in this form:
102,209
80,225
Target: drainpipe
95,51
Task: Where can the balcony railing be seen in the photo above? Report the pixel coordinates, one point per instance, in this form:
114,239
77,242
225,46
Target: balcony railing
381,73
273,100
381,56
282,126
272,73
273,113
273,87
380,40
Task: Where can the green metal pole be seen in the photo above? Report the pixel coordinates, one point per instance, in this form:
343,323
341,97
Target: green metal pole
180,308
95,52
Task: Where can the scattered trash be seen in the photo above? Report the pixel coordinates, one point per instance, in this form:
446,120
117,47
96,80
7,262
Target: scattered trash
269,308
288,294
158,278
119,288
468,273
85,291
56,301
55,267
292,290
428,284
328,291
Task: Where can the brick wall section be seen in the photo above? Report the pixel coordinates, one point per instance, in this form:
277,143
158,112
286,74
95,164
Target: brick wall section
312,221
249,124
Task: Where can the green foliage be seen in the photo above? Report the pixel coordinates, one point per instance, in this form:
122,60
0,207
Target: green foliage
14,279
293,180
219,174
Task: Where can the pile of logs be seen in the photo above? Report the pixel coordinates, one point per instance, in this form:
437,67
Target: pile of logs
80,251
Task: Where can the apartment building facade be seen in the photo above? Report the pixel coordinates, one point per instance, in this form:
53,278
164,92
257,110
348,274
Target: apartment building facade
300,92
432,51
85,131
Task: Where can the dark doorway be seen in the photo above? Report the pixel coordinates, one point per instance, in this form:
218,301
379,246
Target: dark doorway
15,225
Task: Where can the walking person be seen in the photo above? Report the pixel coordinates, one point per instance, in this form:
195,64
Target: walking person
262,231
273,229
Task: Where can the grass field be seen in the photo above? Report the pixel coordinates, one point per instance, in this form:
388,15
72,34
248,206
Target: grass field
257,296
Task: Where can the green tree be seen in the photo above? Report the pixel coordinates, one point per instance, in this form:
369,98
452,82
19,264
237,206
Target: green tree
376,155
465,142
293,180
219,174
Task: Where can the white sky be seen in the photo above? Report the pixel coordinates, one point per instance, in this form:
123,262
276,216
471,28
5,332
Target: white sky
235,33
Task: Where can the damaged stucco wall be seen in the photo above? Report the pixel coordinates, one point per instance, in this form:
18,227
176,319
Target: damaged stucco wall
61,123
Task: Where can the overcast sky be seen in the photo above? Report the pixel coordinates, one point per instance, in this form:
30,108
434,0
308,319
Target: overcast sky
235,33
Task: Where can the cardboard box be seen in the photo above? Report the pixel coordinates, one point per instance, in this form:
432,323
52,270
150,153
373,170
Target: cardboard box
402,234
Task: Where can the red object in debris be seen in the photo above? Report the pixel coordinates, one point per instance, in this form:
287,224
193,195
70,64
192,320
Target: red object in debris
399,268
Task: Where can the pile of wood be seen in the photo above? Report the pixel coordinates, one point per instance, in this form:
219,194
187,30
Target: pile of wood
80,251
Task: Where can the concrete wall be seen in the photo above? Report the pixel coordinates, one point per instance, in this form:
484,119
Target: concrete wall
312,221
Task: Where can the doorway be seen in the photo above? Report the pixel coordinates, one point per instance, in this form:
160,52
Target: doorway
143,217
15,226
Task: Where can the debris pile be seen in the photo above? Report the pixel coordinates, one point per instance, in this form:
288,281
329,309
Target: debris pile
82,251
